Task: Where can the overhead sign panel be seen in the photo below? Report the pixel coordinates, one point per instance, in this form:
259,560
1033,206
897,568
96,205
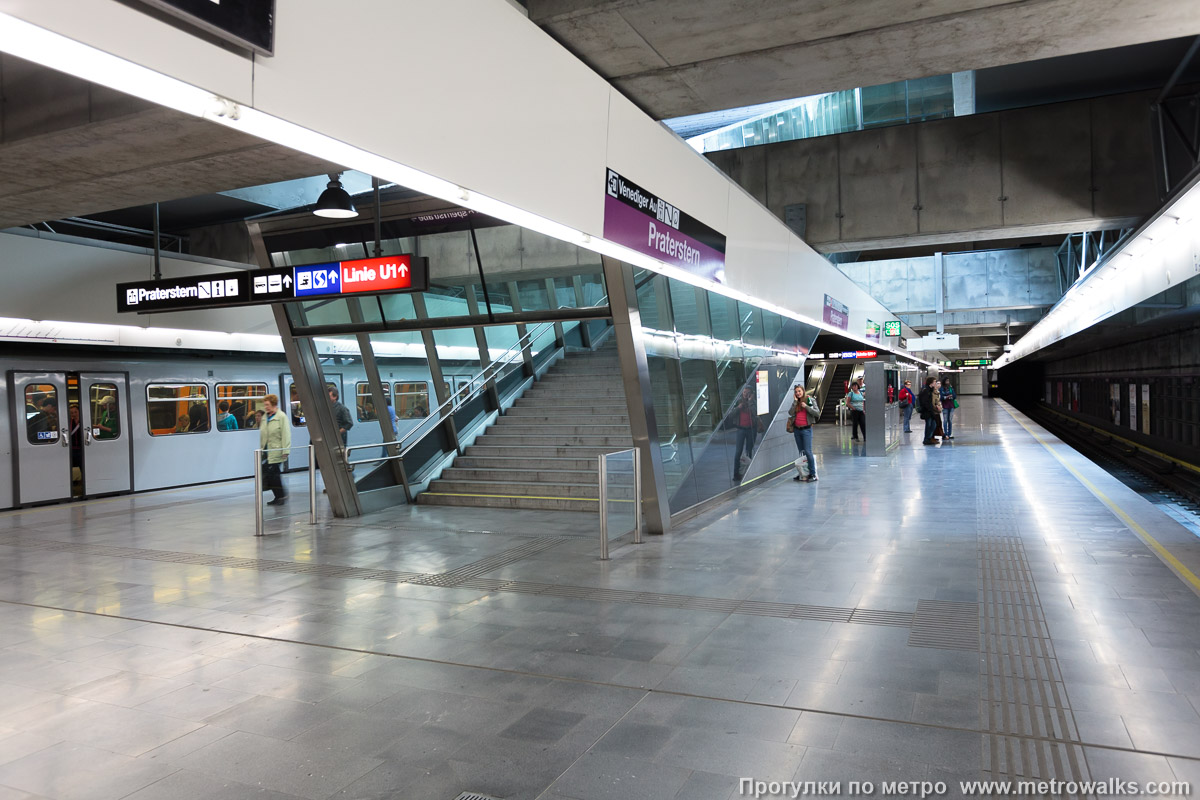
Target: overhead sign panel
836,314
247,23
642,221
364,276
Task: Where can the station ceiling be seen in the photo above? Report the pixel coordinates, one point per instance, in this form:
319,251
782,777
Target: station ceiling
680,57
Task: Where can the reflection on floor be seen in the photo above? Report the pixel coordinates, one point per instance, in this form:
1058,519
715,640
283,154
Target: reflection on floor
948,613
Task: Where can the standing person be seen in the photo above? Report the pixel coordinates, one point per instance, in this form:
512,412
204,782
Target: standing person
106,422
925,406
937,409
743,419
225,420
341,415
275,435
949,399
75,432
800,421
855,400
907,401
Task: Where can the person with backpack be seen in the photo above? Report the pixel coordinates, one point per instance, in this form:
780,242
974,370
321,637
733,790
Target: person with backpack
927,410
801,416
907,401
949,403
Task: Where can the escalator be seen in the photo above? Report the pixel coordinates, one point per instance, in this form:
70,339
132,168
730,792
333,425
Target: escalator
837,390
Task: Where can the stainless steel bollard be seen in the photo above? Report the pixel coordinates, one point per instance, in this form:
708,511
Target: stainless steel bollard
637,496
312,486
603,486
258,511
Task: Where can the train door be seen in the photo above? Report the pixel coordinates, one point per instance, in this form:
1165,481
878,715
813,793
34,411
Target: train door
104,409
41,442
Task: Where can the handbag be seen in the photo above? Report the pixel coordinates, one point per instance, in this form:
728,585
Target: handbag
956,402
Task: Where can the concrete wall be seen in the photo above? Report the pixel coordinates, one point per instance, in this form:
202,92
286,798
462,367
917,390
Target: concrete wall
975,280
1066,167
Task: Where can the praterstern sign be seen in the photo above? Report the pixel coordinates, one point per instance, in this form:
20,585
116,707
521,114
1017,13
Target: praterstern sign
836,314
644,222
359,277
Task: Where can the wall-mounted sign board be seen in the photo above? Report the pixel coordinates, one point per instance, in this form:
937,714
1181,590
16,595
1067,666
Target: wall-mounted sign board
364,276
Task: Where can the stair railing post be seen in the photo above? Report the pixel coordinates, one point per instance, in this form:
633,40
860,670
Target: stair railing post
637,496
601,459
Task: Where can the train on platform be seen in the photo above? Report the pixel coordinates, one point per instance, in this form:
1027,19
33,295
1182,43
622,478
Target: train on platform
81,422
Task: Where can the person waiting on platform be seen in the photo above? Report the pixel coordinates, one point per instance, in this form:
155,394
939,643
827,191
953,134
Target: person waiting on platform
275,437
855,401
949,399
928,412
225,420
746,423
801,417
938,433
907,401
342,417
183,424
75,432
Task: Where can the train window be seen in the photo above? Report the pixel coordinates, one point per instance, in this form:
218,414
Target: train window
297,409
365,402
41,413
105,411
177,408
239,405
412,400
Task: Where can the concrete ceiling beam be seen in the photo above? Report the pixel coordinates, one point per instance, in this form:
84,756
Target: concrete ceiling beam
681,57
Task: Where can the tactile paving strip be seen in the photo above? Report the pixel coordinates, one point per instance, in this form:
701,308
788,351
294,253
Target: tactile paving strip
953,626
1024,700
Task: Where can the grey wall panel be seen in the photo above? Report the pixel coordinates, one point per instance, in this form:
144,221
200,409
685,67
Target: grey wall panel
966,280
1122,142
859,273
448,254
1047,163
747,166
921,289
806,171
879,187
959,163
1043,276
539,251
889,284
1007,280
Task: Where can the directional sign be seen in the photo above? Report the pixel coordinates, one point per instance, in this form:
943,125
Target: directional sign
891,328
360,277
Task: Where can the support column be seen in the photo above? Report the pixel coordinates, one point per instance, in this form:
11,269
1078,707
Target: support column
378,396
526,351
305,367
635,375
585,330
485,355
435,375
939,289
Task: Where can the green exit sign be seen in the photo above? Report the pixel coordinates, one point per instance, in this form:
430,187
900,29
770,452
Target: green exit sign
891,328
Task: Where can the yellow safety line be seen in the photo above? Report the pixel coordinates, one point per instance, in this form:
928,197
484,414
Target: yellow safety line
1129,442
519,497
766,474
1171,561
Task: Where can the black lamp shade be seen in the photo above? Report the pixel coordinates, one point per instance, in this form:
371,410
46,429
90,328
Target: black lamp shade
335,202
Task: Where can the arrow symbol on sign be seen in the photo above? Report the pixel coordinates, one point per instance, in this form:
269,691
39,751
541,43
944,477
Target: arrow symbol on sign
404,270
333,276
287,280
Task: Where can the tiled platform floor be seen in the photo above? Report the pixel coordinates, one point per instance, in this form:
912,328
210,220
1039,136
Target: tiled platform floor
150,647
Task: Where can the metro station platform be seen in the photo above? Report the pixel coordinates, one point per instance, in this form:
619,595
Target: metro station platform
993,608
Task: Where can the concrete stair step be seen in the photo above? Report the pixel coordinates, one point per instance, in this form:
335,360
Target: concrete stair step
533,415
527,475
510,488
615,442
606,393
563,426
510,463
530,452
433,498
596,403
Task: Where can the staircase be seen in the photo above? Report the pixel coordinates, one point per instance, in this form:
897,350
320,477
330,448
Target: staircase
541,454
837,390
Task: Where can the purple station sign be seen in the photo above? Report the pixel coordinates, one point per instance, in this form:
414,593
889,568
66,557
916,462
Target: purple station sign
650,225
836,314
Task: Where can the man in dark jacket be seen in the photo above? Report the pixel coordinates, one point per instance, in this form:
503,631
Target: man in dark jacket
341,415
928,413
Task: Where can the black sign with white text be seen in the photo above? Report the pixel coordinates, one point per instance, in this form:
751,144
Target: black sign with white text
359,278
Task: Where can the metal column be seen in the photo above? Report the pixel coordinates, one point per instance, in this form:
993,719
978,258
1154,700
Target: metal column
435,374
635,375
378,396
305,367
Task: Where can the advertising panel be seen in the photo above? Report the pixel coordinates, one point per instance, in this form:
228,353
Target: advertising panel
836,314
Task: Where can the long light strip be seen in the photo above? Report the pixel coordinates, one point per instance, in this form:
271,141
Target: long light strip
63,54
1094,296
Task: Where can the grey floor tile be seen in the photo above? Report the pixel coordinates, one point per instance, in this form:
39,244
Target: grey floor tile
604,776
274,717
